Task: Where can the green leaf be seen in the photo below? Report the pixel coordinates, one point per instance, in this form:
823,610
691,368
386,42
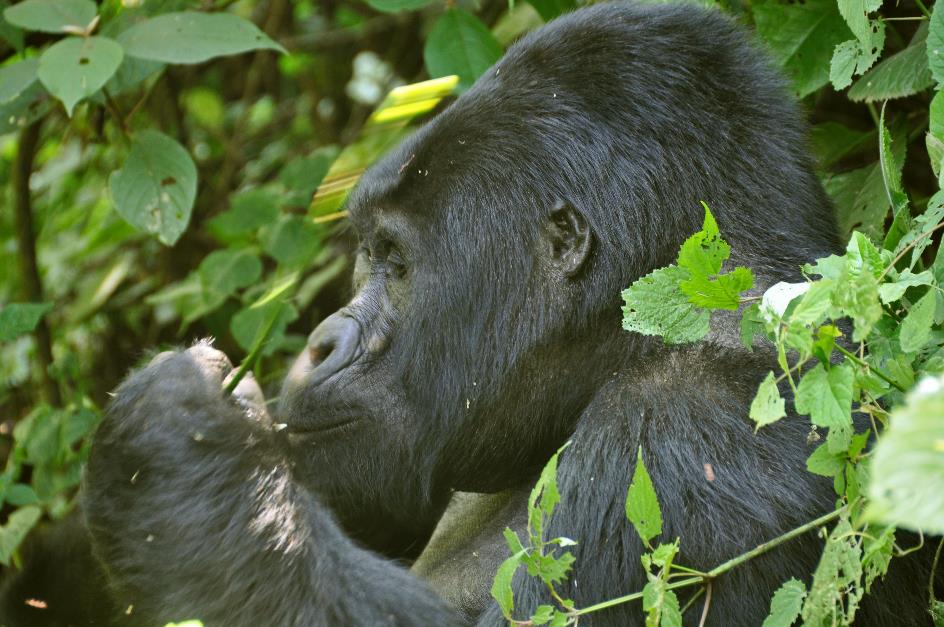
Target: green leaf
860,199
642,503
936,43
225,271
826,395
801,37
18,319
916,327
843,64
156,188
51,16
191,37
395,6
656,306
767,407
542,614
908,463
16,78
891,174
786,604
544,496
833,141
501,585
9,33
248,211
903,74
292,241
459,43
824,463
18,525
877,550
248,323
550,569
890,292
21,494
835,591
549,9
77,67
856,14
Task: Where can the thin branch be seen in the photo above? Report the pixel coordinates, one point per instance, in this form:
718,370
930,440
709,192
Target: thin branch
28,143
877,372
704,611
937,557
909,247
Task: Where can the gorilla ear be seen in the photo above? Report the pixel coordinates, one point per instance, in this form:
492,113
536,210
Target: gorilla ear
568,238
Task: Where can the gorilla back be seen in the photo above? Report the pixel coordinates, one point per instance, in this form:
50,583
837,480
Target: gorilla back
483,334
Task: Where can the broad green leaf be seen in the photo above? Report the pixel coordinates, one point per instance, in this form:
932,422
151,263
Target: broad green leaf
835,591
877,550
752,323
155,189
548,568
18,525
21,494
825,463
916,327
890,292
191,37
767,407
801,37
18,319
51,16
247,324
33,103
395,6
654,305
856,14
16,78
936,43
902,74
843,64
459,43
9,33
861,202
549,9
833,141
226,271
786,604
248,211
642,503
542,614
292,240
77,67
826,395
501,586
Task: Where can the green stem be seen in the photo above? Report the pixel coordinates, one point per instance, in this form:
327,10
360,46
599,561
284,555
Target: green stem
881,375
766,546
636,595
250,361
923,8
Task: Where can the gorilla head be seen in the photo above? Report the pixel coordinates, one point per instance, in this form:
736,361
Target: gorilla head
496,240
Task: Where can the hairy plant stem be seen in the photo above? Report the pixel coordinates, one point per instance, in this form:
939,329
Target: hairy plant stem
881,375
760,549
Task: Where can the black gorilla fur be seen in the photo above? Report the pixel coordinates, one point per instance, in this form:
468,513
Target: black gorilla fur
484,333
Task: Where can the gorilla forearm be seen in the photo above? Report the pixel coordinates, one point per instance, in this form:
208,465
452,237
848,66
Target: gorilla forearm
195,514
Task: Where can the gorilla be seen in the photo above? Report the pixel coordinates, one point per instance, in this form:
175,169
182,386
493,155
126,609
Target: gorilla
484,332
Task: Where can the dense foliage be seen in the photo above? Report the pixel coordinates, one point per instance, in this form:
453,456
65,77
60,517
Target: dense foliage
159,163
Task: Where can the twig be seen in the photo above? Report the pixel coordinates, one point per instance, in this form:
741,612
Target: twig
937,557
26,246
881,375
704,611
909,247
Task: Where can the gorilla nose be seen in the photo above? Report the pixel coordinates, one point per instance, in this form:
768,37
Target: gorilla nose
332,346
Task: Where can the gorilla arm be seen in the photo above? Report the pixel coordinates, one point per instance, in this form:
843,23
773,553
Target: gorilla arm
195,514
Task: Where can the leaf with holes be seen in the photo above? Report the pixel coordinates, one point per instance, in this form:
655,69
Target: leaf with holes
191,37
786,605
51,16
903,74
77,67
461,44
155,189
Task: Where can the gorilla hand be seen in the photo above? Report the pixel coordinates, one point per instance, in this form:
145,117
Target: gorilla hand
194,512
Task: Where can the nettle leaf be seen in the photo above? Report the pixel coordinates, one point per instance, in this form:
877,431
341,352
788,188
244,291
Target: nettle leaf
826,395
877,551
192,37
155,189
51,16
77,67
18,525
459,43
934,140
861,203
702,255
786,604
936,43
916,327
642,503
903,74
891,174
856,57
824,463
833,141
225,271
16,78
655,305
544,495
919,237
893,291
550,569
801,37
18,319
752,323
767,407
835,590
542,614
661,605
856,14
395,6
501,586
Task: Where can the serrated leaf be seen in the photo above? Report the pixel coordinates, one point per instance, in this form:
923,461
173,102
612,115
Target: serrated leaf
891,174
824,463
192,37
544,496
752,323
16,78
51,16
826,395
893,291
77,67
459,43
767,407
877,550
549,568
542,614
12,534
916,327
801,37
843,64
18,319
786,604
902,74
861,203
155,189
501,586
642,503
835,591
935,45
656,306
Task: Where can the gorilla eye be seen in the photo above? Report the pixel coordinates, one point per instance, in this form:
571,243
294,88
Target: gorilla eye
396,263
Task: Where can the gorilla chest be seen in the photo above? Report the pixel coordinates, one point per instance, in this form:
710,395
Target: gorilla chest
467,547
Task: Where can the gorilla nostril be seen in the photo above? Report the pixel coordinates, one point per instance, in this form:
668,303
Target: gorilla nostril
317,353
332,346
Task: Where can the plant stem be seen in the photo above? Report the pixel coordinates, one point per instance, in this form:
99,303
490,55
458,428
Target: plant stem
254,354
923,8
636,595
852,357
909,247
